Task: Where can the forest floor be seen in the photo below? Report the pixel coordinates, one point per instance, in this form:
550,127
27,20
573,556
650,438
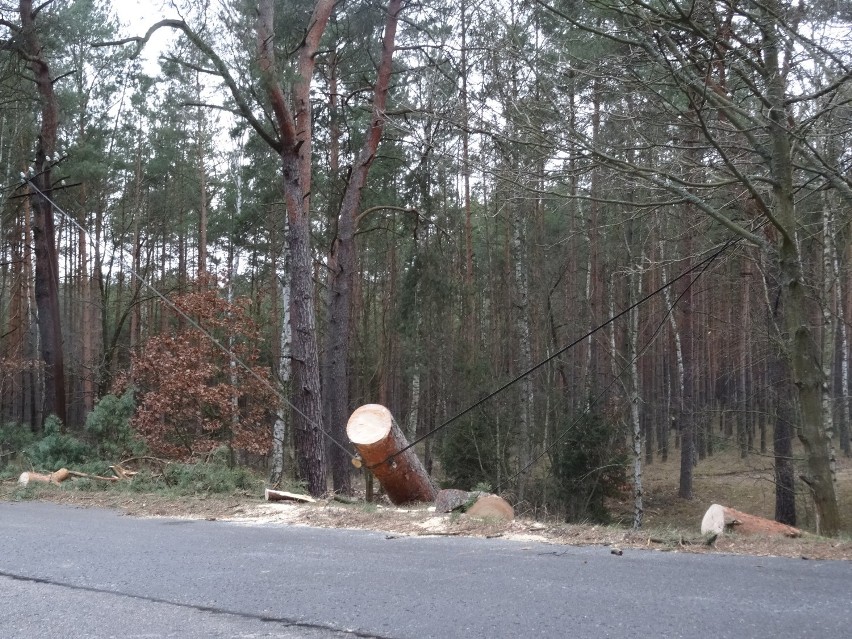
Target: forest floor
671,524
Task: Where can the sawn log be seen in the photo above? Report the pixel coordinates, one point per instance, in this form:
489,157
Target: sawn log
721,519
378,440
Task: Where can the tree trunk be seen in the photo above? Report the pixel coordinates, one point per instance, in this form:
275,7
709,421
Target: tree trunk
634,283
721,519
294,127
378,438
803,350
44,235
307,401
343,266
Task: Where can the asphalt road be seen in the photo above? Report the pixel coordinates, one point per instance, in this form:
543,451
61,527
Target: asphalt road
73,573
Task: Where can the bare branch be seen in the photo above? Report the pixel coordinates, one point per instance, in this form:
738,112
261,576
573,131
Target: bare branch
222,70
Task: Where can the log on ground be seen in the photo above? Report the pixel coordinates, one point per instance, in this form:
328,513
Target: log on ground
53,478
378,439
280,495
721,519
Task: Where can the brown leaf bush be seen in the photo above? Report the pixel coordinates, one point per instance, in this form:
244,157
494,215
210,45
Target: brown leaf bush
192,395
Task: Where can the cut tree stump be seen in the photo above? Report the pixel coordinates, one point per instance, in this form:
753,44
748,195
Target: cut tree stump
721,519
377,438
491,507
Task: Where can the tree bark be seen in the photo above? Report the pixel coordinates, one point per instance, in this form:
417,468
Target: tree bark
44,234
343,261
378,438
295,153
803,350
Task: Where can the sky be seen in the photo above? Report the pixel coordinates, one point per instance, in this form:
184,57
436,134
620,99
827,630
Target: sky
136,16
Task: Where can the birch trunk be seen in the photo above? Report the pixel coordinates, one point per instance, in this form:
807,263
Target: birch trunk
829,331
634,283
522,327
667,295
846,421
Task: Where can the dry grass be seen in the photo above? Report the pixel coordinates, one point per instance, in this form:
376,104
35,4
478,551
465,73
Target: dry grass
744,484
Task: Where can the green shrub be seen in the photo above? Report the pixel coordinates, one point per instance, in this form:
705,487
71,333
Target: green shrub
470,454
14,438
56,450
108,425
209,478
588,466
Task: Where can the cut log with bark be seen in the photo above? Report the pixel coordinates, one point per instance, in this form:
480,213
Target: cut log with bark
379,440
53,478
63,473
721,519
280,495
451,499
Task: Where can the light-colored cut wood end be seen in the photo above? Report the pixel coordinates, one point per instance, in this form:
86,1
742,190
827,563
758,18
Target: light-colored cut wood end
369,424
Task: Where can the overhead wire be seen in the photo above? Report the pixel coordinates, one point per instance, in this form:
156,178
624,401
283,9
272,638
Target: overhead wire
703,264
165,300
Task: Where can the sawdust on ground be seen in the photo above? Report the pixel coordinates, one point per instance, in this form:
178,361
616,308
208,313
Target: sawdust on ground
423,521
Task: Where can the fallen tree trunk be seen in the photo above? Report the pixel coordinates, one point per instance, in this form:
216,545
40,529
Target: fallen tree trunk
53,478
378,439
62,474
721,519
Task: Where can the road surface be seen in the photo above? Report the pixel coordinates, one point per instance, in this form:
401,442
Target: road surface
69,572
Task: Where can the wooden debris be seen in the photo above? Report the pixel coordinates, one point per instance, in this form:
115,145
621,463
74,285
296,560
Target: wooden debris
123,473
378,439
491,507
63,474
280,495
53,478
721,519
74,473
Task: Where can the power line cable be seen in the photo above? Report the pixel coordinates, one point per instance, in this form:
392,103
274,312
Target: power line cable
198,327
705,263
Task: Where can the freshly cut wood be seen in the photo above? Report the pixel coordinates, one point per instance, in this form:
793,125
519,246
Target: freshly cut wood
63,473
280,495
491,507
53,478
721,519
378,439
122,473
